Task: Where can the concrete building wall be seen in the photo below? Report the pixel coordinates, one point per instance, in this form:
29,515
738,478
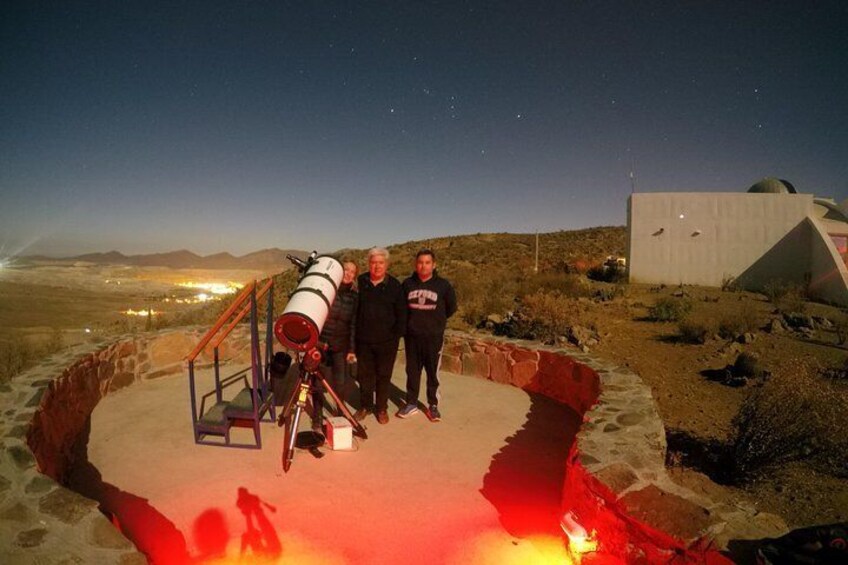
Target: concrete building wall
702,238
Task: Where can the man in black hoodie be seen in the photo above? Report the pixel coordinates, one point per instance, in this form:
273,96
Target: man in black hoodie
430,300
380,323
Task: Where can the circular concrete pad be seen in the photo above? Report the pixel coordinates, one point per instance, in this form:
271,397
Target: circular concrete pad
482,486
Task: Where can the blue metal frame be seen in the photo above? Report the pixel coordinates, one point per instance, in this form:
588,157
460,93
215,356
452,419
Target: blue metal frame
224,414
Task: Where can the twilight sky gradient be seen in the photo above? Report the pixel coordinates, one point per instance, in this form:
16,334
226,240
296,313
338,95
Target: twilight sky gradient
233,126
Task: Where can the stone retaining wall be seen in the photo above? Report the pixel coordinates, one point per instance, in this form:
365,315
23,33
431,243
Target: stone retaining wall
615,480
46,412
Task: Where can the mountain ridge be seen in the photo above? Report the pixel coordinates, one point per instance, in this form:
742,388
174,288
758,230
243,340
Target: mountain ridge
269,258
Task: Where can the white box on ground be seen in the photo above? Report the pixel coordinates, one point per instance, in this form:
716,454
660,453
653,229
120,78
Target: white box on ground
339,433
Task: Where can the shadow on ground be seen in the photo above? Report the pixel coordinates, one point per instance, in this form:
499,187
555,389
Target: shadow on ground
151,532
528,497
158,538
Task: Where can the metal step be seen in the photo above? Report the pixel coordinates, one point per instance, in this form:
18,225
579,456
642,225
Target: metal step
215,417
241,406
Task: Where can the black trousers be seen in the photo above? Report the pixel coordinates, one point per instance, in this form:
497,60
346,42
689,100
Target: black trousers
375,362
423,351
333,368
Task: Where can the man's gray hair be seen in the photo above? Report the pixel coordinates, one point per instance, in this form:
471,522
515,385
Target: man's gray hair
378,251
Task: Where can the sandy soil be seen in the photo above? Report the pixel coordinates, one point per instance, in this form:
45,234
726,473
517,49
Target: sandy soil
693,404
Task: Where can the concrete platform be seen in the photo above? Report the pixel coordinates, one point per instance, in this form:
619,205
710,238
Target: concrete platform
482,486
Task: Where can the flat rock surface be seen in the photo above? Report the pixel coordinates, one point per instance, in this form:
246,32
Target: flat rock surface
481,486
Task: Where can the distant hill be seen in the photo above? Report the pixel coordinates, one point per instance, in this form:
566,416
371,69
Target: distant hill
489,255
491,270
265,260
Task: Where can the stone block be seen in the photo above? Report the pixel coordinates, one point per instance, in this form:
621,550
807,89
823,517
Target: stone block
451,364
35,400
121,380
478,346
104,534
454,348
40,484
105,370
556,364
21,456
476,364
30,538
618,477
17,512
126,348
499,366
66,506
523,373
517,355
667,512
171,348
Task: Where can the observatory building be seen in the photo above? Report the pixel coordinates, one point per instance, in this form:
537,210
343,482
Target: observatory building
769,233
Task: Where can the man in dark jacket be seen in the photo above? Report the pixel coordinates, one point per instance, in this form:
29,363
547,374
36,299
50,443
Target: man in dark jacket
380,323
430,300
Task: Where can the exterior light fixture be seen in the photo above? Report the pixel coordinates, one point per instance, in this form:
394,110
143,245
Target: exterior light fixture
580,542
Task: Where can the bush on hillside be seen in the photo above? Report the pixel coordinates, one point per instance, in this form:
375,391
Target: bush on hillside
792,417
545,316
741,320
786,297
668,309
697,332
19,353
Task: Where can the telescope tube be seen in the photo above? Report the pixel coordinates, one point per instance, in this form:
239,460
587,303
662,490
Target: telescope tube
303,318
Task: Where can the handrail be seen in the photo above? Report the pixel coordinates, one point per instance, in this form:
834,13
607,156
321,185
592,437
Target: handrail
220,322
244,312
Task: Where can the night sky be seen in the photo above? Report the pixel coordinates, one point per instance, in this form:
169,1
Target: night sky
234,126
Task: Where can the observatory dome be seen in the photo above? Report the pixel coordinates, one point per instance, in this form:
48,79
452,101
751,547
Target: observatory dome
771,185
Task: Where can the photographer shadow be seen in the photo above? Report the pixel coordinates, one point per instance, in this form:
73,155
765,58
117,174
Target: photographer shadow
260,540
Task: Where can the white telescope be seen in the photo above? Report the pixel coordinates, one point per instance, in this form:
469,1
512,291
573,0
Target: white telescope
303,317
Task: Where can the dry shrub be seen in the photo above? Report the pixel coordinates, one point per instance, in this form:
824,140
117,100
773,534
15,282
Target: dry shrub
695,331
794,416
545,316
744,319
669,309
747,365
608,292
840,327
19,353
786,296
477,298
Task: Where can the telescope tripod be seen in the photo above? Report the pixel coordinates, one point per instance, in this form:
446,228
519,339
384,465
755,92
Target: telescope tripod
307,386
